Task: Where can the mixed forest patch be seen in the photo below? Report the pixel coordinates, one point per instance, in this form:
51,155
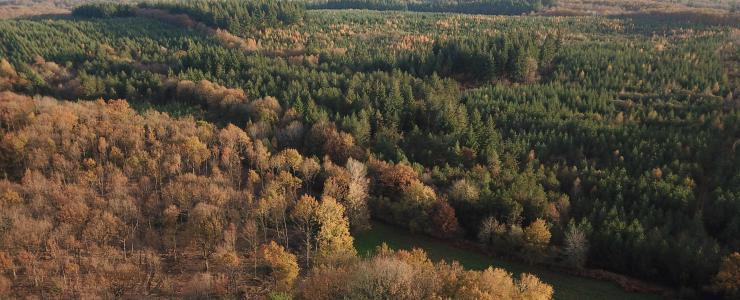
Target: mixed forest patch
256,138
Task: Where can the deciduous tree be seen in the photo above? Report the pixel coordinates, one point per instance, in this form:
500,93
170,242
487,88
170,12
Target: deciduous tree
283,265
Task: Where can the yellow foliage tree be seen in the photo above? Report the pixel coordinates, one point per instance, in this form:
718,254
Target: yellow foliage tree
282,263
334,240
536,238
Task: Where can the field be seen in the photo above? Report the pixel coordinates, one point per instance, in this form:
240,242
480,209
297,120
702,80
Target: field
566,286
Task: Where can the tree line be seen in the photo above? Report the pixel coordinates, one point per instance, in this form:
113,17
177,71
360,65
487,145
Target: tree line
488,7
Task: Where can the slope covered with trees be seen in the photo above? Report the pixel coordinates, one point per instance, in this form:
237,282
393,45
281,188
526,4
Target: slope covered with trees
576,142
486,7
113,203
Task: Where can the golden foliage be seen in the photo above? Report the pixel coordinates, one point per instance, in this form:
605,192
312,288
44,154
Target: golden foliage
282,263
411,275
335,244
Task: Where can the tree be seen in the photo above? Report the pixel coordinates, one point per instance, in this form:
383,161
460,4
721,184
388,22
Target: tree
357,194
727,280
304,215
491,230
464,191
392,178
103,227
282,264
412,275
170,222
536,238
207,228
533,288
576,246
196,152
334,240
234,144
525,68
308,170
325,139
8,75
444,219
150,268
278,196
250,234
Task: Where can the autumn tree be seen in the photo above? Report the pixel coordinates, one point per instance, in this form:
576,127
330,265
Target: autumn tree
533,288
491,231
444,219
196,152
536,238
727,280
334,240
280,194
308,170
234,144
171,223
576,245
412,275
325,139
305,217
250,234
206,227
357,195
464,191
349,186
282,264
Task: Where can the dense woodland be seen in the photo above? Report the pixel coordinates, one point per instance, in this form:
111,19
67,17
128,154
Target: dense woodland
488,7
229,149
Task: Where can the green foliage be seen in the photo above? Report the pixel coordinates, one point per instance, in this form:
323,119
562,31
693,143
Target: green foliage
489,7
235,15
626,127
103,10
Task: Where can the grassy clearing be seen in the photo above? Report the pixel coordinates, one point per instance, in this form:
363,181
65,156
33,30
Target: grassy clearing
566,286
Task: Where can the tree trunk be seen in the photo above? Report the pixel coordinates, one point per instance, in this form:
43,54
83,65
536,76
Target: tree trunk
308,252
205,257
255,260
285,224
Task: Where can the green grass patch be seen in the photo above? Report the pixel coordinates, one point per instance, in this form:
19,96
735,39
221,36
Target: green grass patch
566,286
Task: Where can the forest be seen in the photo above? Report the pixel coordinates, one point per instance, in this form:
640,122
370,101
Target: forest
233,149
486,7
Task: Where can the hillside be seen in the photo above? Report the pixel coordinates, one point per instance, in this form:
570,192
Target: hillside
234,149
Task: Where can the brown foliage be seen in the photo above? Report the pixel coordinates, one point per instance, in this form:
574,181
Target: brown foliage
390,177
8,11
207,93
89,180
325,139
282,264
5,286
444,220
411,275
8,76
727,280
